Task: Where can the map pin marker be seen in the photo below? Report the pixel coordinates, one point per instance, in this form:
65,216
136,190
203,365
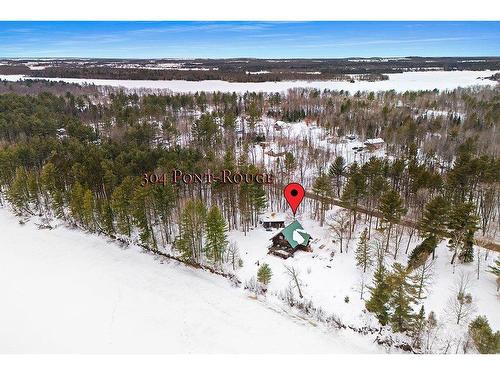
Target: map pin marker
294,193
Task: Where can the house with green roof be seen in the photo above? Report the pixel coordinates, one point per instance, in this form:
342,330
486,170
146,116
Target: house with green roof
290,239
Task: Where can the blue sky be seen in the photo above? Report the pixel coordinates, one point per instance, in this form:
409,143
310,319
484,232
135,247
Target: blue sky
248,39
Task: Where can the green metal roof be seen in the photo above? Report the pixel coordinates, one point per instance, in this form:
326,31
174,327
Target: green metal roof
295,234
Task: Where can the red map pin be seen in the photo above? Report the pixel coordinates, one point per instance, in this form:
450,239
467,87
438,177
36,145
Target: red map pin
294,193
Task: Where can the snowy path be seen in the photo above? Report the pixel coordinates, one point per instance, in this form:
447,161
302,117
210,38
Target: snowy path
66,291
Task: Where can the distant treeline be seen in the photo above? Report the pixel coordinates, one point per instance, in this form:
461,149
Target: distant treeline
244,70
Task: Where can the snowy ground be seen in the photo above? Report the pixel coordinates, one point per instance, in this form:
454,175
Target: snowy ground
428,80
327,279
64,291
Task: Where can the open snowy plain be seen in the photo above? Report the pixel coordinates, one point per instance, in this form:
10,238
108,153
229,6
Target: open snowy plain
65,291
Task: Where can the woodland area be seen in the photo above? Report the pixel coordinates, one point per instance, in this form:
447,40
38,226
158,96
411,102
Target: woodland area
79,155
241,70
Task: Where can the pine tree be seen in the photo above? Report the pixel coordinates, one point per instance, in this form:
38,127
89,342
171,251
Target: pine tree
121,203
18,192
289,162
105,217
192,231
354,191
264,274
88,210
391,207
463,223
418,326
484,339
336,172
364,252
402,296
379,295
323,190
52,195
434,219
421,252
141,207
216,236
76,202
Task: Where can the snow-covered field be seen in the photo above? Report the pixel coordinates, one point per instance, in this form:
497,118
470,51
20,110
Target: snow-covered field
65,291
429,80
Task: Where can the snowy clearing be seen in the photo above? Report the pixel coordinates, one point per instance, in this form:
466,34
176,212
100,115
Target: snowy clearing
64,291
429,80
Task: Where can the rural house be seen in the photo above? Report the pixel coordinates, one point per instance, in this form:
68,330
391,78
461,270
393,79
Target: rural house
292,238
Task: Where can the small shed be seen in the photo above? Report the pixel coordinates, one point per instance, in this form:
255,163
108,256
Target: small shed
374,143
292,238
273,220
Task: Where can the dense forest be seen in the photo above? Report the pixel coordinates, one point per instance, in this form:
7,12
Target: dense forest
78,155
242,70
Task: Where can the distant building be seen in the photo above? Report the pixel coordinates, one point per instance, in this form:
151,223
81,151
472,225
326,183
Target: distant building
374,143
292,238
273,220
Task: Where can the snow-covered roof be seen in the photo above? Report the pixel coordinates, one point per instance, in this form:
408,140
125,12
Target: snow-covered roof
295,234
374,141
272,217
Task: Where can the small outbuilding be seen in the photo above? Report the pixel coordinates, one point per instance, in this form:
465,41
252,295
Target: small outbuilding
374,143
292,238
273,220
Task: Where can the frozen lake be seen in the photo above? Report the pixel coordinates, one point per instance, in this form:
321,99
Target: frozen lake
428,80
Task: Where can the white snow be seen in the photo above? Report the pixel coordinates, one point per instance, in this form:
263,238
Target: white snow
328,275
427,80
65,291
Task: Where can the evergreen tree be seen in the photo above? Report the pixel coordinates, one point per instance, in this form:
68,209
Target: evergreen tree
121,203
323,190
354,191
53,195
364,252
485,341
434,219
264,274
192,231
18,193
216,236
418,326
421,252
289,162
105,217
379,295
76,202
141,211
88,210
391,207
336,172
463,223
403,295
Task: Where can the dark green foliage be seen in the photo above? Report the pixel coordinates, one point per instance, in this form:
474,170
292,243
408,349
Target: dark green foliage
216,236
462,226
403,295
485,340
434,219
379,295
421,252
264,274
364,252
192,231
